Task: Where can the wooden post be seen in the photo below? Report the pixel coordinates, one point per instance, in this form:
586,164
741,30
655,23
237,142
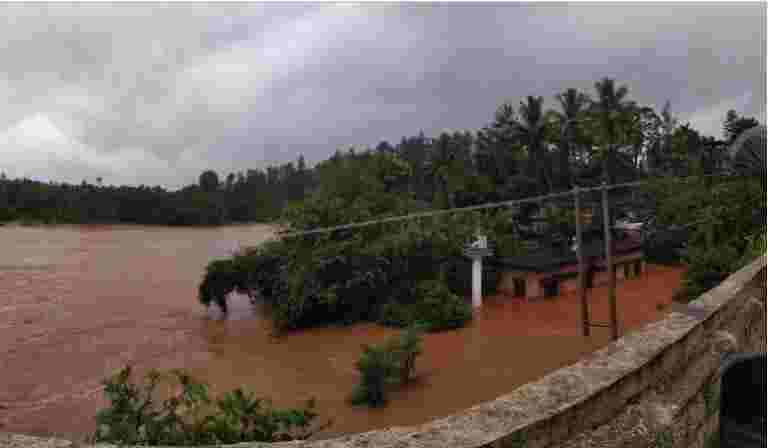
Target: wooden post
582,268
609,264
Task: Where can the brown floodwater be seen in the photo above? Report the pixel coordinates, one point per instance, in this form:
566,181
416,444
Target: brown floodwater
78,302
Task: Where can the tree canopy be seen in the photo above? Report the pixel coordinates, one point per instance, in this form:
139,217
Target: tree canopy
524,149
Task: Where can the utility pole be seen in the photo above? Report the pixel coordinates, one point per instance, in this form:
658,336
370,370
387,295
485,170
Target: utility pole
582,268
476,251
609,264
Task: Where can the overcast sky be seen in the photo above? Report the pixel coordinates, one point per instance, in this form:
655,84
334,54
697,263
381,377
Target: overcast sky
154,94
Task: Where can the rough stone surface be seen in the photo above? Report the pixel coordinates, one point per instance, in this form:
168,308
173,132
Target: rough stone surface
22,441
649,384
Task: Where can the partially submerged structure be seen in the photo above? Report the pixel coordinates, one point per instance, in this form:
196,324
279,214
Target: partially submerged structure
550,271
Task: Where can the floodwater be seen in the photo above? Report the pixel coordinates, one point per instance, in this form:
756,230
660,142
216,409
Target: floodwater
78,302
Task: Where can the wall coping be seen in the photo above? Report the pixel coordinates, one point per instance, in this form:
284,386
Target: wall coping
552,394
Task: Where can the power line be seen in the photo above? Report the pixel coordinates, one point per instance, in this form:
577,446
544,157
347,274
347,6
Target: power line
486,206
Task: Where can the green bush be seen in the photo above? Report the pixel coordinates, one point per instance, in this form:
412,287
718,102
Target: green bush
726,226
137,416
439,308
378,367
705,269
436,308
381,366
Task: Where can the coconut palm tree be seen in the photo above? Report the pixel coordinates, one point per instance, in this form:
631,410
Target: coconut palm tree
573,103
531,129
441,160
498,146
747,153
612,111
668,124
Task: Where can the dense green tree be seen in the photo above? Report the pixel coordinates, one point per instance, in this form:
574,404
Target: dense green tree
723,218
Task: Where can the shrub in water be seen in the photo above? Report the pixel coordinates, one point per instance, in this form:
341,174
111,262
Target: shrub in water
377,366
436,308
392,363
439,308
253,272
136,415
221,278
406,347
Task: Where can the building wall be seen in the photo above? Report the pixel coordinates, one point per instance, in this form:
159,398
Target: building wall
655,387
533,280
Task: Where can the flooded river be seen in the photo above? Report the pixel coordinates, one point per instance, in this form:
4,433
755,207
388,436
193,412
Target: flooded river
78,302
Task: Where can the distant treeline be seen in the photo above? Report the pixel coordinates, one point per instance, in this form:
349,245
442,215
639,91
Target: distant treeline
253,196
525,150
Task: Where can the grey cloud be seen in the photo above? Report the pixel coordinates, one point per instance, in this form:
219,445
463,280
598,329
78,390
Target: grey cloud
241,86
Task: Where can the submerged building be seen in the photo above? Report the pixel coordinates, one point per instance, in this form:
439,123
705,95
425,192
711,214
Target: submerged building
550,271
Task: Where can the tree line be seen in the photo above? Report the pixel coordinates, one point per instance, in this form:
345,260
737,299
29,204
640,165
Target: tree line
524,150
252,196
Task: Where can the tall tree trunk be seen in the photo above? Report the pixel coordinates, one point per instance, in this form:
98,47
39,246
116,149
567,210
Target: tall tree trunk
533,166
565,166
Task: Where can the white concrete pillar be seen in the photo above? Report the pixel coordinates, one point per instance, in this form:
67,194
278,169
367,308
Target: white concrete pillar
477,282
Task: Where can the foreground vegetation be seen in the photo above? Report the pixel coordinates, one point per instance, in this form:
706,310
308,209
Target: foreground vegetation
171,408
189,416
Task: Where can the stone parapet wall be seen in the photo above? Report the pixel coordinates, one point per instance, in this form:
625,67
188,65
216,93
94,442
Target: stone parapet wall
656,387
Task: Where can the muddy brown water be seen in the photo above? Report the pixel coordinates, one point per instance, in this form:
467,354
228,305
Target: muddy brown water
78,302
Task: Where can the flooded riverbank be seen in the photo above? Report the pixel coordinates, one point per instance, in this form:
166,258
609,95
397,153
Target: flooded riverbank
77,302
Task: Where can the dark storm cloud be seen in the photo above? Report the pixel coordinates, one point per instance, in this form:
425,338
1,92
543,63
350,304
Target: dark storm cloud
157,93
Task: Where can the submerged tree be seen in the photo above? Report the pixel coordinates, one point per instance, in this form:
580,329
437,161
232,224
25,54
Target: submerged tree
381,366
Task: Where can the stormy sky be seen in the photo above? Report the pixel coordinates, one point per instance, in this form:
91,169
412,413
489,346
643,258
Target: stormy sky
155,93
